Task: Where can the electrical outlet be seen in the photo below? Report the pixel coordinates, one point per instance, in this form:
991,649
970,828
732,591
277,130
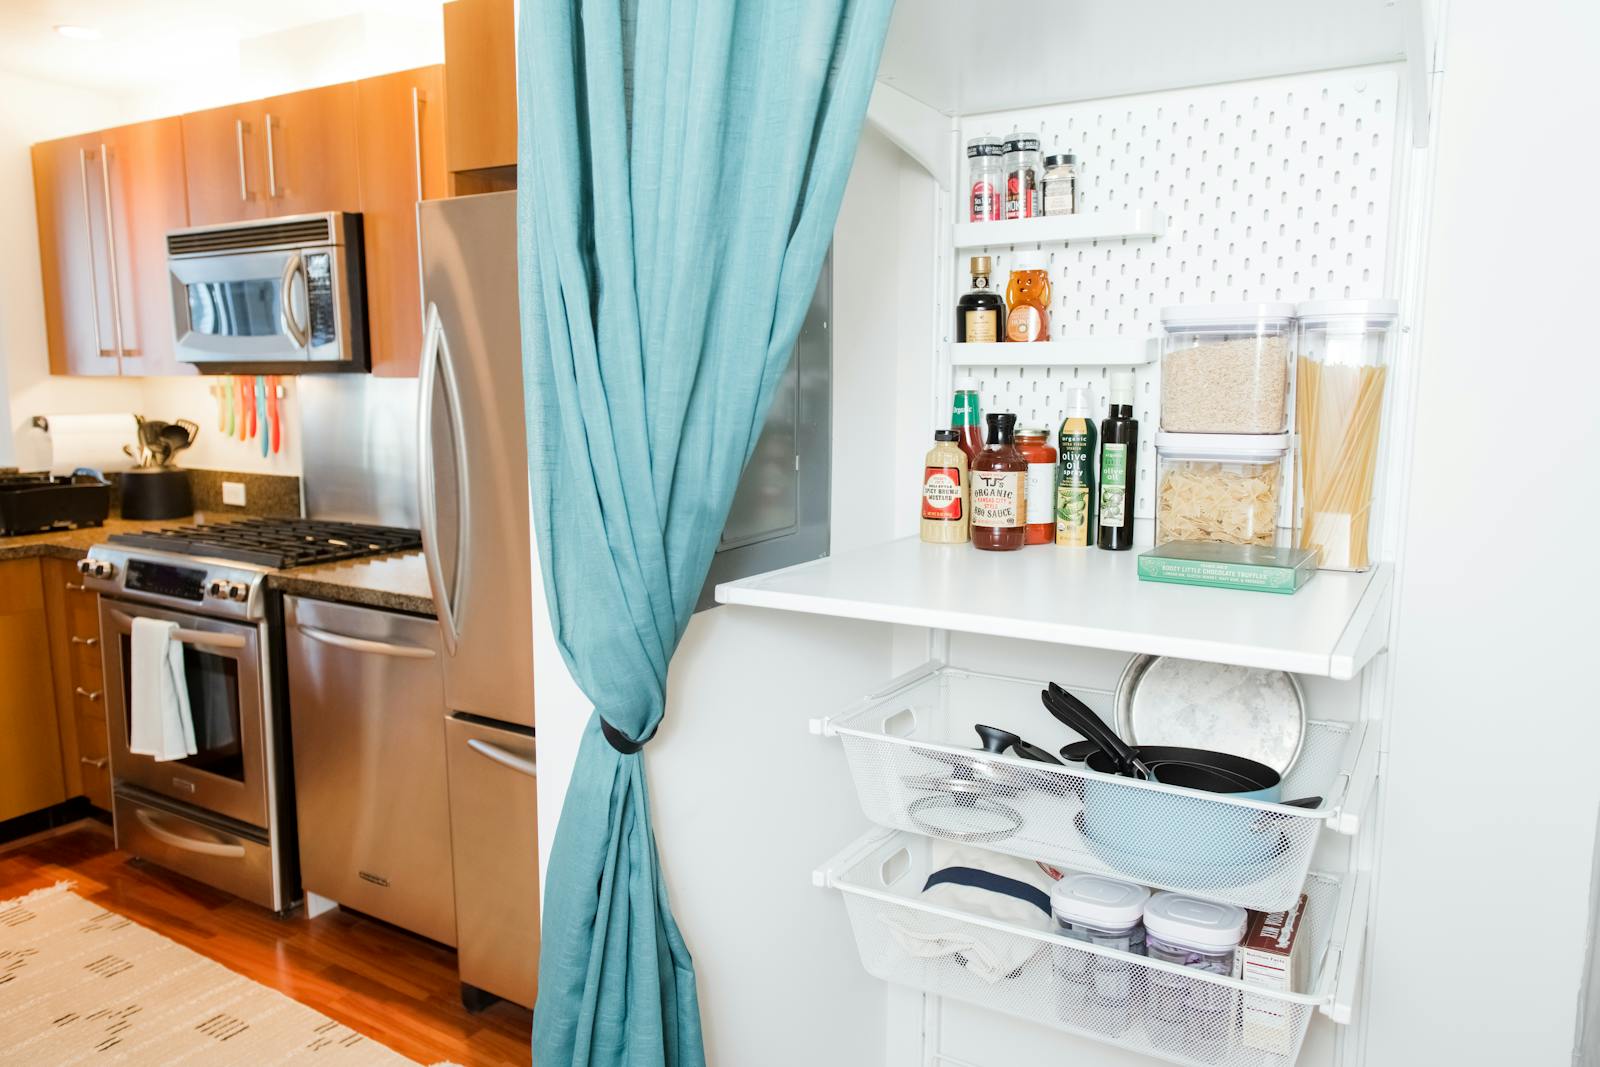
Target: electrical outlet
233,493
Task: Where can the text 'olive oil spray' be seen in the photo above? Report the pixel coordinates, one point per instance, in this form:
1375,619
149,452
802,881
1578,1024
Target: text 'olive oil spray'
1075,496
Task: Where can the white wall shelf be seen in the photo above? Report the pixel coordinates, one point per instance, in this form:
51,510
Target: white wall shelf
1070,352
1089,598
1109,224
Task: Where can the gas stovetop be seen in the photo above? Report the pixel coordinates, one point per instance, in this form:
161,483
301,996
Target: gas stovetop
275,543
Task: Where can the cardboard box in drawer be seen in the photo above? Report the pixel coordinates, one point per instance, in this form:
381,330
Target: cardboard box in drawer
1271,957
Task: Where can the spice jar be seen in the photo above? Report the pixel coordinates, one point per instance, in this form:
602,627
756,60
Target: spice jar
1028,299
1344,356
1060,184
1091,990
985,178
1221,487
1225,368
1191,1014
1034,444
1022,176
944,491
999,485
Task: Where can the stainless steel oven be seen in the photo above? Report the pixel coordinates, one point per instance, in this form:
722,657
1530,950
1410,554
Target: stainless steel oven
283,294
223,668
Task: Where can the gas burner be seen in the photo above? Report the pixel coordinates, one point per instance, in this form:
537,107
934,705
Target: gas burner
276,543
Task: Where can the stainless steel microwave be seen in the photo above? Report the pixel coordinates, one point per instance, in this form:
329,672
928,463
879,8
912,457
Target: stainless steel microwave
282,294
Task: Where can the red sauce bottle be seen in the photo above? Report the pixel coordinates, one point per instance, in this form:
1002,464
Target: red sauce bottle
964,419
999,488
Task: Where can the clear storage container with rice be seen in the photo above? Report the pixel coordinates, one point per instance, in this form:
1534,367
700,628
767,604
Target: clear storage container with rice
1225,368
1339,385
1226,488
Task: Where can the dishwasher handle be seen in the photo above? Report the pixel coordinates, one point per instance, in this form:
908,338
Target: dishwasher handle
502,757
363,644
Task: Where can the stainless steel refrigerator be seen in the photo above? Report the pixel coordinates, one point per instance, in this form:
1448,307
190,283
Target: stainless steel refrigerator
472,473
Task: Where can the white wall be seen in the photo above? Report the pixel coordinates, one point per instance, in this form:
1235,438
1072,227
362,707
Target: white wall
337,50
1483,905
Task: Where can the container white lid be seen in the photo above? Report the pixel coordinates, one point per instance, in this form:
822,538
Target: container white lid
1096,901
1176,316
1029,259
1201,924
1375,312
1240,445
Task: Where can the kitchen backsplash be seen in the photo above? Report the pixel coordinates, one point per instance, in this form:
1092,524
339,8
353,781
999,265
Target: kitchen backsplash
272,495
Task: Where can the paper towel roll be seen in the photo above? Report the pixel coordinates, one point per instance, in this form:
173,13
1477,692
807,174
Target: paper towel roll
92,441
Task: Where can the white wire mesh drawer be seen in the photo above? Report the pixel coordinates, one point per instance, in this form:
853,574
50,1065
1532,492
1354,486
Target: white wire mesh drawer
1149,1006
913,756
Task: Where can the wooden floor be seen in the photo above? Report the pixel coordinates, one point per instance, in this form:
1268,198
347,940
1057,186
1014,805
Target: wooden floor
394,988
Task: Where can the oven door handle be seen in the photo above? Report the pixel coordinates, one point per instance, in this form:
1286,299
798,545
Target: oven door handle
295,266
147,819
189,637
362,644
504,758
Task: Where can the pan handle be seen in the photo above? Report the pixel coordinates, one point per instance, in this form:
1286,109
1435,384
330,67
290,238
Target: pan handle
1079,717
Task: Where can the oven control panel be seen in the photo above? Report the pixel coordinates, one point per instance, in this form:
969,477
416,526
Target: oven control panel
163,579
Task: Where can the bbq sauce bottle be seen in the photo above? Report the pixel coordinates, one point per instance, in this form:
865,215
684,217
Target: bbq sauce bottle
999,489
1119,461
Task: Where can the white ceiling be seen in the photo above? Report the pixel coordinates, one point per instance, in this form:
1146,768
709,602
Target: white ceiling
152,45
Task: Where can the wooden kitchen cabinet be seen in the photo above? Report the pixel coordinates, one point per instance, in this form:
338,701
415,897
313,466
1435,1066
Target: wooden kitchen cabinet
78,680
224,165
401,118
481,88
105,202
30,759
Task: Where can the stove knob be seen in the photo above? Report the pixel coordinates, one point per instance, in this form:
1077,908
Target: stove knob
237,592
214,589
97,568
85,566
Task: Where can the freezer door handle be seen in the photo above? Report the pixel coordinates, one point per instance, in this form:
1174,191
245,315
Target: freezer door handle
504,758
188,844
362,644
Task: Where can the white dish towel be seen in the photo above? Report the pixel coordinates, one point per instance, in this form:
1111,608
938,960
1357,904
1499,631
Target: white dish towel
161,726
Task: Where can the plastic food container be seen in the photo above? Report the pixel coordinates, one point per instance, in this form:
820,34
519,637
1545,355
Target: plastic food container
1344,358
1202,935
1097,990
1226,488
1225,368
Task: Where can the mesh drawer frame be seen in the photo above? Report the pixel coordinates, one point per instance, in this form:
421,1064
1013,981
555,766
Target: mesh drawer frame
912,758
1157,1009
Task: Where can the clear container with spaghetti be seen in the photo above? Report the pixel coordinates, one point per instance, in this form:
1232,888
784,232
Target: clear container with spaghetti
1225,368
1224,488
1344,352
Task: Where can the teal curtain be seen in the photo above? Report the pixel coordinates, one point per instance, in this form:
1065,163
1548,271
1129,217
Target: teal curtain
681,166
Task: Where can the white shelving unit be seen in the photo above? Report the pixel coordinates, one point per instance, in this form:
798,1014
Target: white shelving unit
1142,221
1331,628
1075,352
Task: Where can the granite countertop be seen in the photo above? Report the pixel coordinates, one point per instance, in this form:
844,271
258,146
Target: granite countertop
398,582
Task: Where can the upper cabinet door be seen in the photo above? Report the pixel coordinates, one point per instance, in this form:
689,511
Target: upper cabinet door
224,160
70,197
481,65
401,118
311,155
144,163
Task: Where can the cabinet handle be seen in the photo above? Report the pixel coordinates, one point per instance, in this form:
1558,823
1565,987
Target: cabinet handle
86,694
95,762
77,587
272,163
111,250
416,148
238,140
88,246
89,642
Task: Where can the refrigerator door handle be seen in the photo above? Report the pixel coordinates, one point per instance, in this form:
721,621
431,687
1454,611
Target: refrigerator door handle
436,367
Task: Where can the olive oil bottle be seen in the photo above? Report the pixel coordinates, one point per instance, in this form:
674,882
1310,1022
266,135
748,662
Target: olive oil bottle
1119,464
1075,495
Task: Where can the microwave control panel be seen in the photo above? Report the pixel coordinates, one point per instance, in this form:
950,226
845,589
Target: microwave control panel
319,298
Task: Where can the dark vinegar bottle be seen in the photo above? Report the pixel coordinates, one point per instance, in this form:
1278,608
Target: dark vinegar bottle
1119,463
980,313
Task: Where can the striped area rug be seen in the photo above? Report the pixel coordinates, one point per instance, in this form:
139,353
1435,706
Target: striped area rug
79,984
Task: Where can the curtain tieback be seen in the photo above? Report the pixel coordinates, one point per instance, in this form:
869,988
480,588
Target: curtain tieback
621,741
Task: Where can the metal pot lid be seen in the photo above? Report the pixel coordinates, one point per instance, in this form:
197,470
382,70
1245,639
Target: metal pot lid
1250,712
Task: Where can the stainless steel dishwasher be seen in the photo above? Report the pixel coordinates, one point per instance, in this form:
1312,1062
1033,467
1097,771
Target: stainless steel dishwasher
367,712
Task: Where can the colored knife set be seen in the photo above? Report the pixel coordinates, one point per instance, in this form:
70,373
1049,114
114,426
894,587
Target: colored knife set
249,407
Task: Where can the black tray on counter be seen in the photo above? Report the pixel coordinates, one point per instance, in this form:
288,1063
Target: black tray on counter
35,503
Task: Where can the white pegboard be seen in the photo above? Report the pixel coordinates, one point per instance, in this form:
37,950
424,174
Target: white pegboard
1277,189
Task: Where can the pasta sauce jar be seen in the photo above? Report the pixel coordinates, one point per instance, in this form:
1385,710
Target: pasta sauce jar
1034,444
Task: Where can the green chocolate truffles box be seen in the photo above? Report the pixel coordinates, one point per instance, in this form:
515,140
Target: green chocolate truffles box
1259,567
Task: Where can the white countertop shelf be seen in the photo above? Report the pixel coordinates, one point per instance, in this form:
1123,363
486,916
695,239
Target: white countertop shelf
1142,221
1090,598
1070,352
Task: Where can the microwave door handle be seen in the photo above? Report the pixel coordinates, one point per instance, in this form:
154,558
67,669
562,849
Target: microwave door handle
502,757
428,377
296,266
88,246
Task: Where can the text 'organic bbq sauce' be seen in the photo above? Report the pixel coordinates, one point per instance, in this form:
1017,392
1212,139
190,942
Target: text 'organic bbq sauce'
999,481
